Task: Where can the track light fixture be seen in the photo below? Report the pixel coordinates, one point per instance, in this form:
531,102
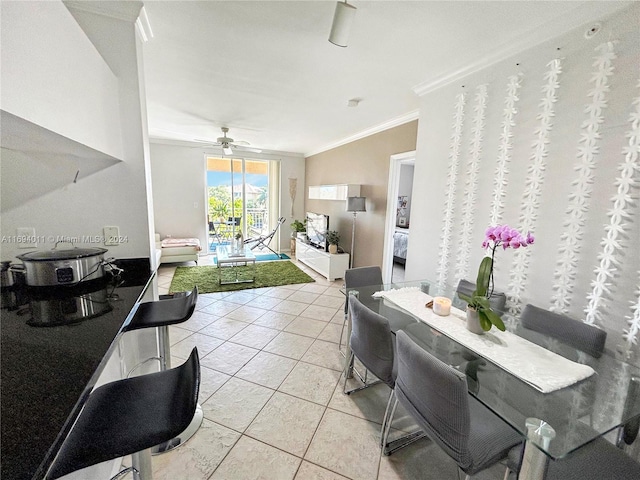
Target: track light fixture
341,27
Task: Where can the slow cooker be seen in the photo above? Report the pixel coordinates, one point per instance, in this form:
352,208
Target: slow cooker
63,266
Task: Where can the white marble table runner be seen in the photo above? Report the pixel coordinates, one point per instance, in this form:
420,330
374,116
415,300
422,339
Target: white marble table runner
542,369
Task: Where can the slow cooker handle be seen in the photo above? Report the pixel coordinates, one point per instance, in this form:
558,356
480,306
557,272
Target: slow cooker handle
64,241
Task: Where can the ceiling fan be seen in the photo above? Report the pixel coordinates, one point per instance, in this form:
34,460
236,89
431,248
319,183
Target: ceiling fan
227,142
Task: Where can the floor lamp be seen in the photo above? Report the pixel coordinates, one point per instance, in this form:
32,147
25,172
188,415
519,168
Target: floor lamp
355,205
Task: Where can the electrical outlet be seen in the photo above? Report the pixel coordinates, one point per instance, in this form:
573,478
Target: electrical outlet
111,235
26,237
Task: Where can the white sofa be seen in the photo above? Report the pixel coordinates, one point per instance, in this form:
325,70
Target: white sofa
173,250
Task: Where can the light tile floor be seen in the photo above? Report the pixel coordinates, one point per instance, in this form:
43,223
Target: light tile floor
272,398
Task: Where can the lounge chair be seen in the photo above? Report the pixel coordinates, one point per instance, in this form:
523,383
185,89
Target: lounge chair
264,240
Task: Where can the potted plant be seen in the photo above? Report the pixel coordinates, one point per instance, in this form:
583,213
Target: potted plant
298,227
333,238
480,316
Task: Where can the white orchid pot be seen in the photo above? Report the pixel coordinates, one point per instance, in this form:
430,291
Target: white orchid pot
473,321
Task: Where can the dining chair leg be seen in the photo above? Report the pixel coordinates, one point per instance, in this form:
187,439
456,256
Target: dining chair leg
344,323
388,427
385,419
405,440
347,366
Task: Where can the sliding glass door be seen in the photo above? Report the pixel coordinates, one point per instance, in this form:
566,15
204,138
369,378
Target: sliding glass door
241,198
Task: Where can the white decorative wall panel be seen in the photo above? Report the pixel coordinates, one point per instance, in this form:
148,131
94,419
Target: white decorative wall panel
624,205
582,186
452,182
504,149
564,166
631,334
535,178
471,185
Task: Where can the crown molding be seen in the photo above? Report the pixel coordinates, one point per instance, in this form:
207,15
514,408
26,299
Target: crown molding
394,122
586,12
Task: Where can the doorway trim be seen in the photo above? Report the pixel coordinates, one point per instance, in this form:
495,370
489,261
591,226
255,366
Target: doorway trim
395,161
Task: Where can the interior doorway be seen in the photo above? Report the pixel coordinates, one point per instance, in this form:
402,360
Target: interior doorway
398,218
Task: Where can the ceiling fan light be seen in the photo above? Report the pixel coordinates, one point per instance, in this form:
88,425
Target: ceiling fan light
226,149
341,27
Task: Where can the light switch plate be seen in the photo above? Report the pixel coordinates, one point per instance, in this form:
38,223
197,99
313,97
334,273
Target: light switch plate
111,236
26,237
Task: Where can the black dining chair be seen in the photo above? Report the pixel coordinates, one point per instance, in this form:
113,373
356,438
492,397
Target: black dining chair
587,338
127,416
358,277
436,395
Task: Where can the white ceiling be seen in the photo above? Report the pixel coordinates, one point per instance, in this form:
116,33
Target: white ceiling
266,70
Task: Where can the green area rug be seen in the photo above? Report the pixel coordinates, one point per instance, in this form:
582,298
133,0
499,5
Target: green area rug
268,274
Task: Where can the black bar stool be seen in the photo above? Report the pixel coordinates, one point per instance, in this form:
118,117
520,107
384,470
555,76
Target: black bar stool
160,315
127,416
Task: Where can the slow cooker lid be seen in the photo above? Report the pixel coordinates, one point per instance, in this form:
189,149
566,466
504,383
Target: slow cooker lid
68,254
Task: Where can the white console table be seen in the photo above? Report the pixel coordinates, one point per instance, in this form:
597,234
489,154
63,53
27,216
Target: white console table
330,265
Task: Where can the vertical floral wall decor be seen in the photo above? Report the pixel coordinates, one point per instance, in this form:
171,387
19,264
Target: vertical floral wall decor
572,236
452,180
615,241
504,148
535,179
471,188
630,335
293,188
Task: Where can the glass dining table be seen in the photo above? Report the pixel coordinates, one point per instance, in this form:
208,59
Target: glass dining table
553,424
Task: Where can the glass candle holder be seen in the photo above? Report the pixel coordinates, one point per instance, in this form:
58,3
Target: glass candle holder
442,306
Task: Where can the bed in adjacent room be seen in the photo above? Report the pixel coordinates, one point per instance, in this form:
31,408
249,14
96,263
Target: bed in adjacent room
400,241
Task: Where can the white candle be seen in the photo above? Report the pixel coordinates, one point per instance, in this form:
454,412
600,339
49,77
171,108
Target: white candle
442,306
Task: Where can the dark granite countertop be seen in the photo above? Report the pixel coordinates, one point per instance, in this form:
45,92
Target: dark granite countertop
52,352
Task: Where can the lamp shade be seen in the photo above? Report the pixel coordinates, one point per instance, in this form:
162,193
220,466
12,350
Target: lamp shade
356,204
341,27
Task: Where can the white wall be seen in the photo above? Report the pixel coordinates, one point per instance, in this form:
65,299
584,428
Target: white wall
178,179
179,183
53,76
115,196
538,187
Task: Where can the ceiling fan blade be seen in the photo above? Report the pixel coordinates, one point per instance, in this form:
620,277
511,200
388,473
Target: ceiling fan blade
249,149
208,142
